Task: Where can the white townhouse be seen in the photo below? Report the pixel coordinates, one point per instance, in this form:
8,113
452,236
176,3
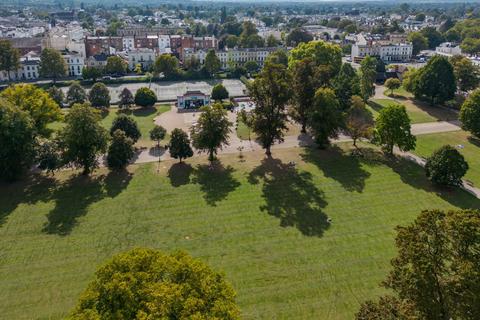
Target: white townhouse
75,63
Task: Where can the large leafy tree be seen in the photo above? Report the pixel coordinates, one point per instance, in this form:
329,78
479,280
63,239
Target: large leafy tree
419,42
76,93
9,57
393,128
92,73
279,56
167,65
52,64
303,86
179,145
212,130
436,81
434,37
83,139
99,96
120,150
36,102
359,120
368,74
466,73
271,92
57,95
126,124
435,273
212,62
126,99
325,117
446,166
149,284
346,85
17,136
327,58
116,65
297,36
470,113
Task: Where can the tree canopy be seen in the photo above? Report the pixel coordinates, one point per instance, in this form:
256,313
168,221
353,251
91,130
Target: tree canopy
17,136
393,128
9,57
99,96
149,284
271,92
327,58
145,97
52,64
83,138
470,113
212,130
120,150
76,93
36,102
126,124
435,273
179,145
446,166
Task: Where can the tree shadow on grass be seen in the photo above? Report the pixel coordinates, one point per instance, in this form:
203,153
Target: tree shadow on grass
179,174
474,140
29,190
291,196
216,181
74,196
144,112
340,166
414,175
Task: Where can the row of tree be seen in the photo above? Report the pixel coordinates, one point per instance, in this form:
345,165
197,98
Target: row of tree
99,96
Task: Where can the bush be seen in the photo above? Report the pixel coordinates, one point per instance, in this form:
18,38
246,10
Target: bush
145,97
120,151
446,167
128,125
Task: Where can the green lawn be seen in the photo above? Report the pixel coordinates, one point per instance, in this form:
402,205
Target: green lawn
428,143
400,92
418,112
261,222
143,116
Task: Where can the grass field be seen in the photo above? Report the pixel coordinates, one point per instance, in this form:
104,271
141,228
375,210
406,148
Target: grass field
400,92
418,112
143,116
263,222
428,143
243,133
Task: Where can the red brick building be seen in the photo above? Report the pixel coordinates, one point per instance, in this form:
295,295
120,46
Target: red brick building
99,45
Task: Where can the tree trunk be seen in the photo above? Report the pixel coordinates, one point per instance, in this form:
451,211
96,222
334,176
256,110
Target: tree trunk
355,143
304,128
268,152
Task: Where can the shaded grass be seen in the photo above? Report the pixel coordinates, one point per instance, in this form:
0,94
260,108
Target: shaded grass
419,112
263,222
427,144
